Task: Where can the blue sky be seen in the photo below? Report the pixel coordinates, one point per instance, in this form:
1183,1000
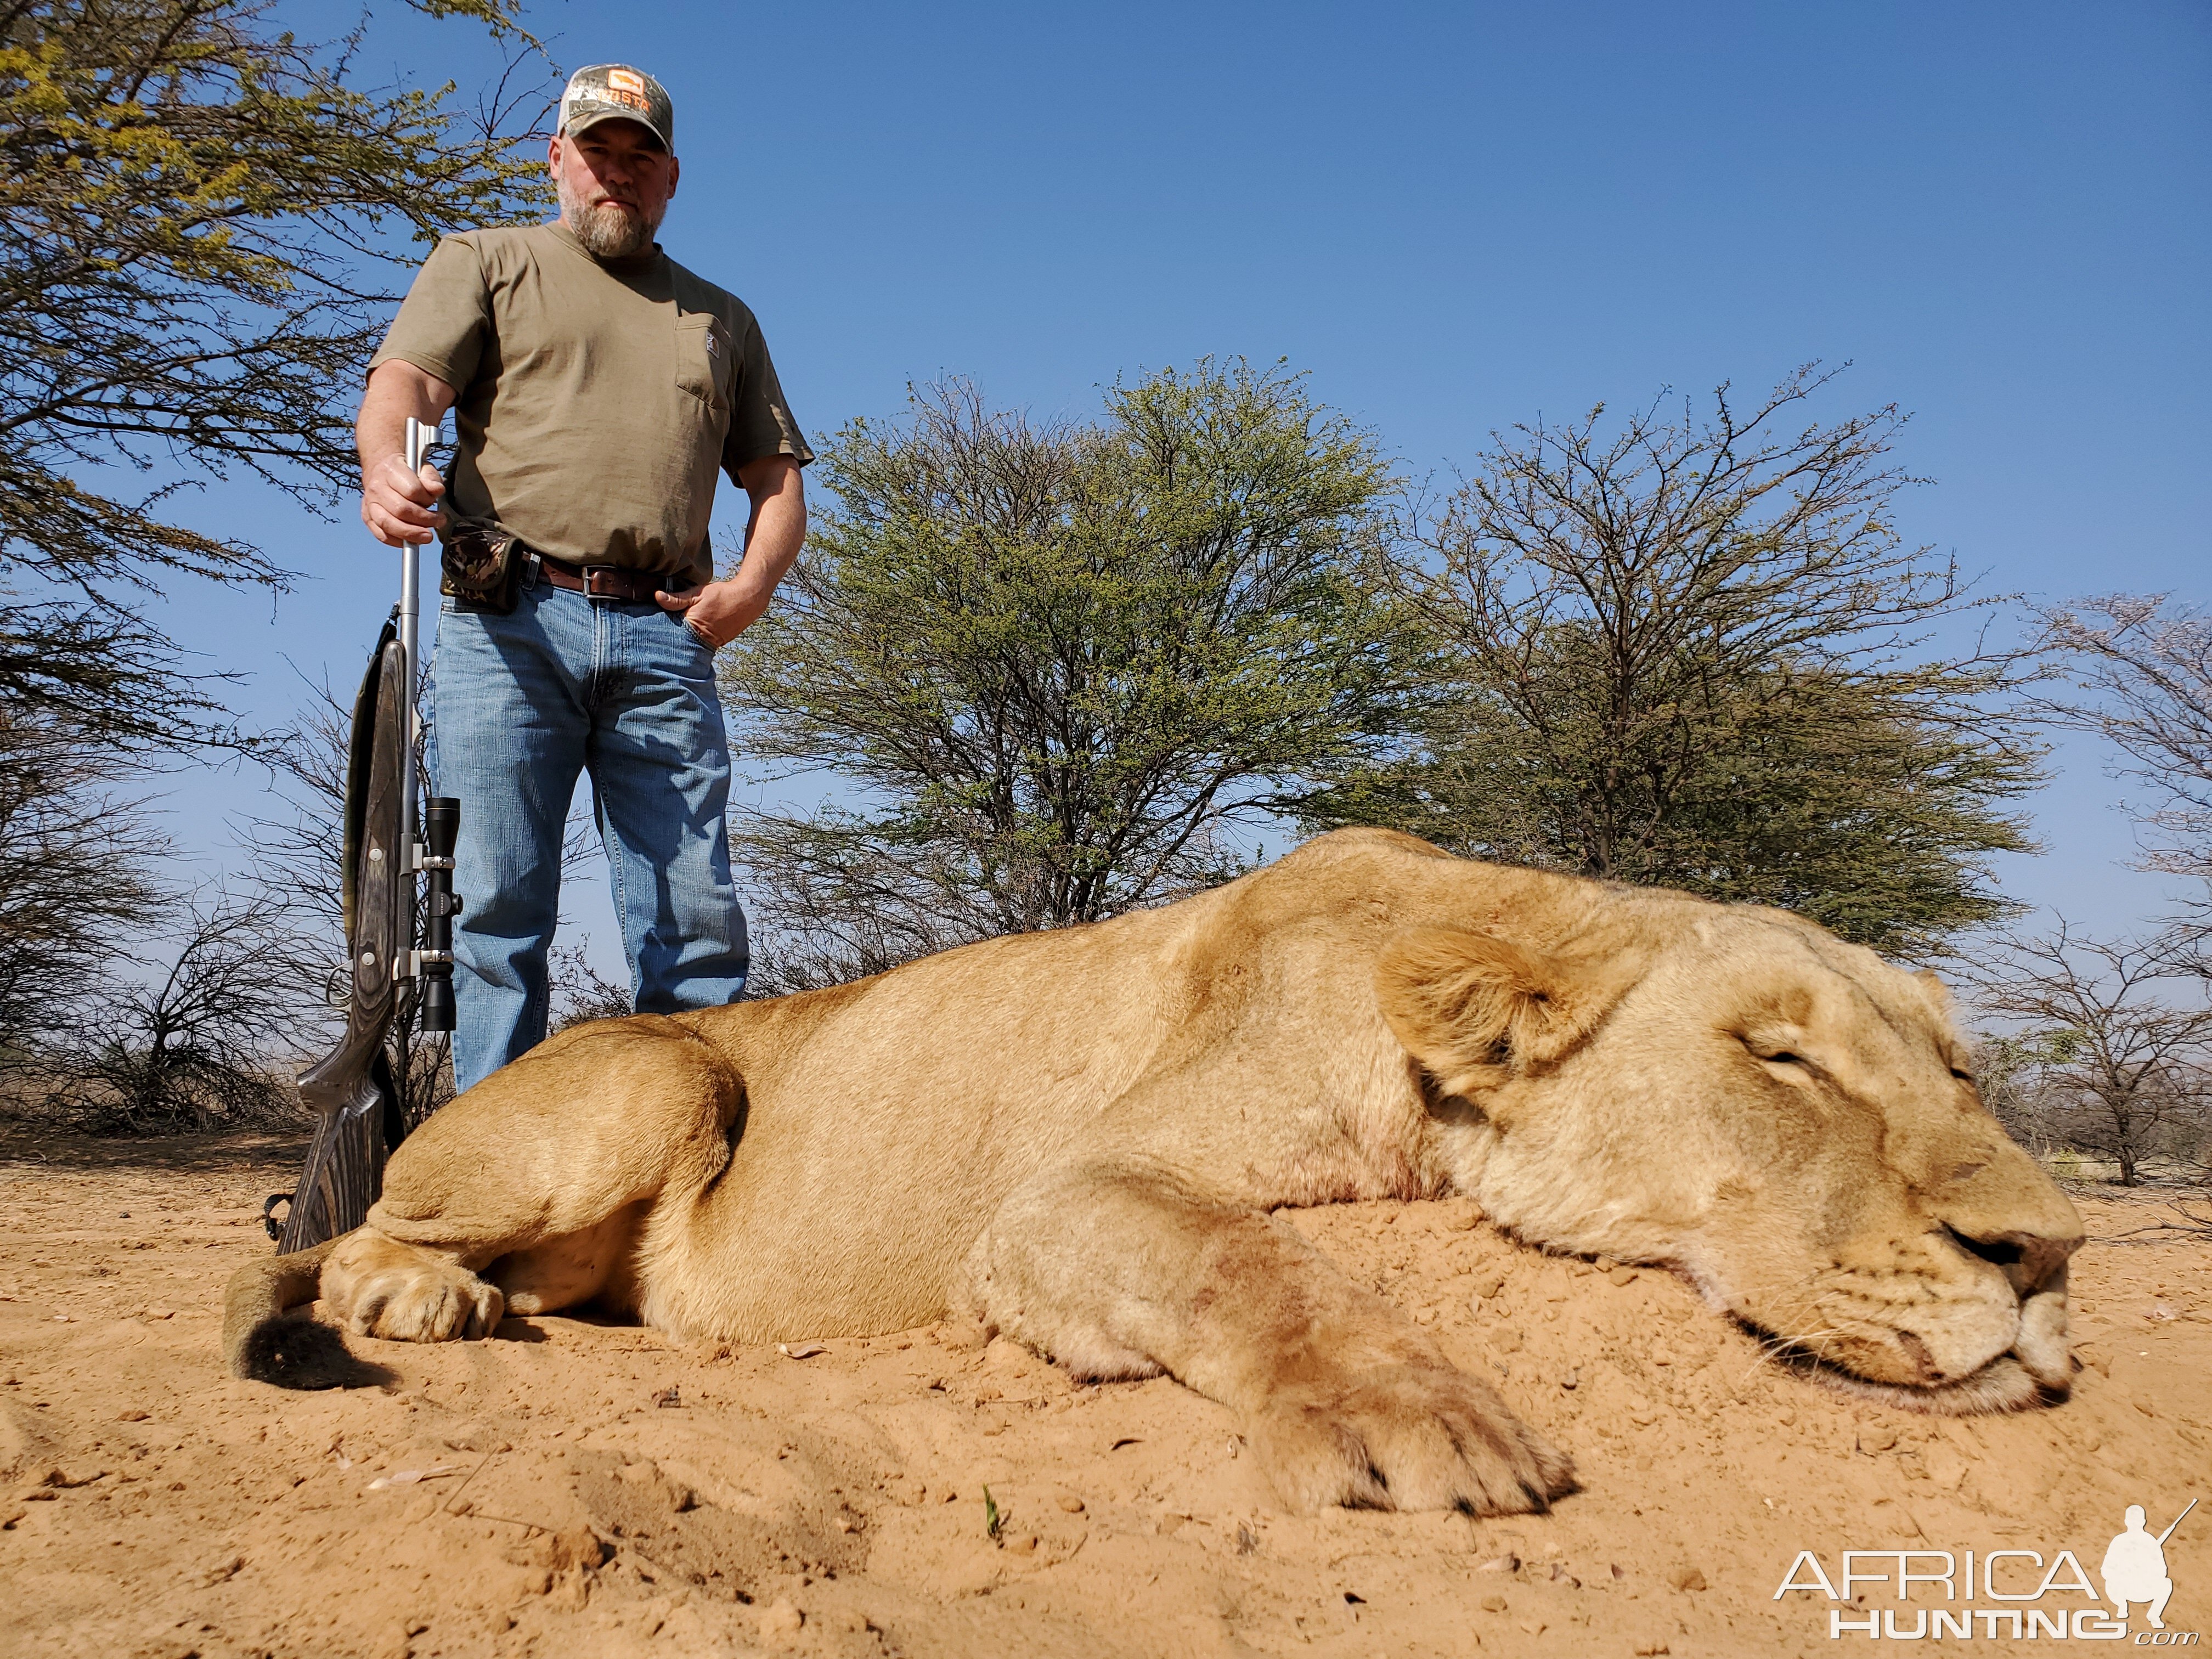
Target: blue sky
1454,218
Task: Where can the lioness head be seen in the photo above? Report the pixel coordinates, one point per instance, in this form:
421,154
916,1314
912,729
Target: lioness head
1784,1119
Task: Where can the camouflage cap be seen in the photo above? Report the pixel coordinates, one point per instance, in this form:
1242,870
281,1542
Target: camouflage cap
605,92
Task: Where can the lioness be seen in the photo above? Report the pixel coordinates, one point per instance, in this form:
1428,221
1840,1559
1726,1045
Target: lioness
1080,1134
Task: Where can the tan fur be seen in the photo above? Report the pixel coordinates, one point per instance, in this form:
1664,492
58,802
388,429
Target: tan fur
1080,1135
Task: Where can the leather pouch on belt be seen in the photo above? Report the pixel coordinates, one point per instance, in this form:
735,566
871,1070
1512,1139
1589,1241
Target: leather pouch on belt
482,561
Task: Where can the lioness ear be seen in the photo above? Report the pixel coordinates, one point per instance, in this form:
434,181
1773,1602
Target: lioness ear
1937,993
1476,1011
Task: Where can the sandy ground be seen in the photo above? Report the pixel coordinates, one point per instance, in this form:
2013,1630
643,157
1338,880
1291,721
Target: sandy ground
577,1488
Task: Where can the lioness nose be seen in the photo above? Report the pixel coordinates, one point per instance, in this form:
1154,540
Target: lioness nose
2030,1260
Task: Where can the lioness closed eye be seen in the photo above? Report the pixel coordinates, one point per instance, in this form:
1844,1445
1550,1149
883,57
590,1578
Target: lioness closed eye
1080,1134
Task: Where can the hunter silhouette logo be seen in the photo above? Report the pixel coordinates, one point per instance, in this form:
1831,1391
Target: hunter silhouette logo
2135,1566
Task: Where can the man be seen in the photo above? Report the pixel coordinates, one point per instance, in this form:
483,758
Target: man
598,387
2134,1568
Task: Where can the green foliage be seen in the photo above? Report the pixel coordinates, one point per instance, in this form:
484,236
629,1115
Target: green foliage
1692,653
202,223
194,268
994,1523
1062,661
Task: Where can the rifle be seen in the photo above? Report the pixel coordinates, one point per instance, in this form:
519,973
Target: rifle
359,1115
2178,1520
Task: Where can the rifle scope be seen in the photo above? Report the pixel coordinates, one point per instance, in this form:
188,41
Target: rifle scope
442,827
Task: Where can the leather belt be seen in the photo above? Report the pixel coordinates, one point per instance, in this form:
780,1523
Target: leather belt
603,582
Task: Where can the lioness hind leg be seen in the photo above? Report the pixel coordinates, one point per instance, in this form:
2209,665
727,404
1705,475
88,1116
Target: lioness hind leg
538,1178
542,1177
375,1285
587,1123
1348,1401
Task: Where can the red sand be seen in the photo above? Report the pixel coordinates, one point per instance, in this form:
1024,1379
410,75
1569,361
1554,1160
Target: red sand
590,1489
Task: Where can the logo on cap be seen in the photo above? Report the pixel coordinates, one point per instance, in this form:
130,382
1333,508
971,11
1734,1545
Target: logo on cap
607,90
625,88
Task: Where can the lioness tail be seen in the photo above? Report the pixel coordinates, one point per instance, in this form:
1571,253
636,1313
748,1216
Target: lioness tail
260,1344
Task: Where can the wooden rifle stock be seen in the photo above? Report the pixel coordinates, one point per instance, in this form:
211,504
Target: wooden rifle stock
358,1117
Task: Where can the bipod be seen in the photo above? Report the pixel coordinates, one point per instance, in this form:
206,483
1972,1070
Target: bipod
359,1113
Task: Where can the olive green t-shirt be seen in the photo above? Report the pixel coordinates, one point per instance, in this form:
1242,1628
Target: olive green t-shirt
597,399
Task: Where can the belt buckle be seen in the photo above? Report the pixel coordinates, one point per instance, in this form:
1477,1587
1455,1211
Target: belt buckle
592,575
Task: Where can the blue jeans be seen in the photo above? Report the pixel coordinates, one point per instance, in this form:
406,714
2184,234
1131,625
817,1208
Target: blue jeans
519,705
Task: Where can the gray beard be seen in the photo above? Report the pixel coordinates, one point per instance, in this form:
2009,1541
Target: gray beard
607,233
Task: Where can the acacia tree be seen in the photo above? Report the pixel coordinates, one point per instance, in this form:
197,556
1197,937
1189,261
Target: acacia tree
1058,664
2141,672
2095,1065
76,870
202,223
1692,651
2095,1058
190,1047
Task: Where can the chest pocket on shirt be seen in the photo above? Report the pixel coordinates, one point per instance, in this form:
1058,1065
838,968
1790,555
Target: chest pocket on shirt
704,360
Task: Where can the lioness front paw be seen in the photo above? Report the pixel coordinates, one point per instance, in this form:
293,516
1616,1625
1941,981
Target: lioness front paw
377,1286
1405,1437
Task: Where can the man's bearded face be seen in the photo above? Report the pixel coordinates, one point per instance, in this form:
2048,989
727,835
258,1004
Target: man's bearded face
614,180
610,230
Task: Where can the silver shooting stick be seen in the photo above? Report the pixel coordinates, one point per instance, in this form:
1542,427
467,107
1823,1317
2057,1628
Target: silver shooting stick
360,1112
420,437
433,963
